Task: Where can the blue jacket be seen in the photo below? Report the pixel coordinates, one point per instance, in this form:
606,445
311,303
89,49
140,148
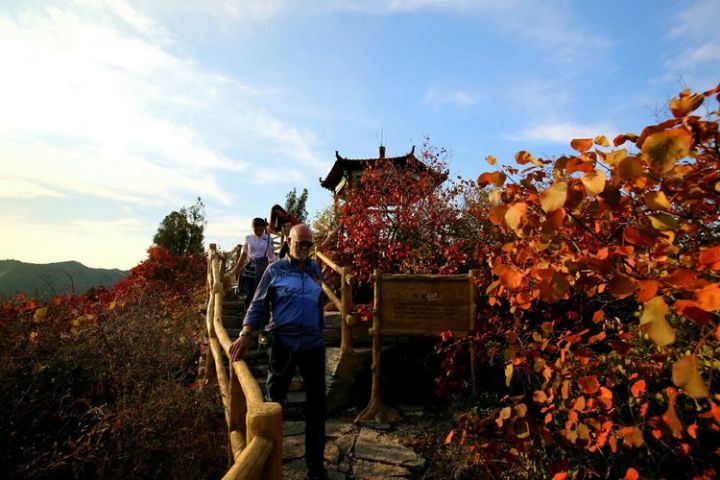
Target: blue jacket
293,298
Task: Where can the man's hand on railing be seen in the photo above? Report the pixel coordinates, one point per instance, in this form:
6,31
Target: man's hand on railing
240,346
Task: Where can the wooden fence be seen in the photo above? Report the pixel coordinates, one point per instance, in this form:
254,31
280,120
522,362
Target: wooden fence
342,300
254,426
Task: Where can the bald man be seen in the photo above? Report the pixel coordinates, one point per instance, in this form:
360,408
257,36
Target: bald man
290,290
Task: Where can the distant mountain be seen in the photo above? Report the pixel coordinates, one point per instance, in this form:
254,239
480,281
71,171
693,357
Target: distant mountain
50,279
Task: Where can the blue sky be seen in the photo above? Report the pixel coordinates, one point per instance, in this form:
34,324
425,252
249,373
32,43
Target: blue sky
114,113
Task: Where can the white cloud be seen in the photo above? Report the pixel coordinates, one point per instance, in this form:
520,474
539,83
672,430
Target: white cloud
699,20
695,30
560,133
115,243
228,231
459,98
106,111
21,188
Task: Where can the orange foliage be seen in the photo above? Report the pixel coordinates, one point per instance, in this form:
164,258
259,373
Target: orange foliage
618,282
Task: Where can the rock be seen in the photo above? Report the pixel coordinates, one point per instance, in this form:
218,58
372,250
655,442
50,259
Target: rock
293,428
375,425
371,445
335,475
343,467
364,470
293,447
337,429
295,470
296,398
345,444
341,372
332,453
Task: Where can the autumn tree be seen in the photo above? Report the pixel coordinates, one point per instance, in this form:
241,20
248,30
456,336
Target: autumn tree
602,305
181,232
402,219
295,204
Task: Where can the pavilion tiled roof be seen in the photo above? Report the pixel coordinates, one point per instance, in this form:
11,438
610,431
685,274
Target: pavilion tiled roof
344,165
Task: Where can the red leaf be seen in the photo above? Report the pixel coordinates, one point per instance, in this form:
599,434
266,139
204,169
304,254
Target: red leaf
710,257
708,297
681,278
648,289
638,388
641,236
581,144
622,286
690,309
632,474
589,384
511,278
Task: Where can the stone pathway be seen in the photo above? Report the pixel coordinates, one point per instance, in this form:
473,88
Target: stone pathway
351,452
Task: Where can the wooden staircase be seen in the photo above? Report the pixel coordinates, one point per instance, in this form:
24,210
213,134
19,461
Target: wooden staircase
257,357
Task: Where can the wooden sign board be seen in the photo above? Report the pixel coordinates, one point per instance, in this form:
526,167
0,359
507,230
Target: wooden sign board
426,305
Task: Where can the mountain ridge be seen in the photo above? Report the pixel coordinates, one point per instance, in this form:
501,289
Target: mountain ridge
45,280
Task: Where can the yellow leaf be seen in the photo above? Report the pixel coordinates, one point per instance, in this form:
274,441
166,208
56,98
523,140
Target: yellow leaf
583,432
663,149
657,201
685,374
602,141
663,221
685,103
504,415
537,163
630,168
653,321
40,313
491,160
614,158
508,374
515,215
554,197
594,182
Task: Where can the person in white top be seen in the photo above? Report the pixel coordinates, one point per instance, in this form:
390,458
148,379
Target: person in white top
257,253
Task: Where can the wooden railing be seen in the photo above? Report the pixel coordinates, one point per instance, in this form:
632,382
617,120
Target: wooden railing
254,426
343,300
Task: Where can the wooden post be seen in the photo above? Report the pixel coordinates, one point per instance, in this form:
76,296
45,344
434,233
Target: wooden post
472,274
345,309
237,407
265,420
376,411
210,313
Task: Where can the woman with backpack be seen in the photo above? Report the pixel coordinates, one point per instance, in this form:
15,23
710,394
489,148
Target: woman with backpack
257,253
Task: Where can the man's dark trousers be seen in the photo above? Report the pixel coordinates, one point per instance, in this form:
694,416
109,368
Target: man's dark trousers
283,362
